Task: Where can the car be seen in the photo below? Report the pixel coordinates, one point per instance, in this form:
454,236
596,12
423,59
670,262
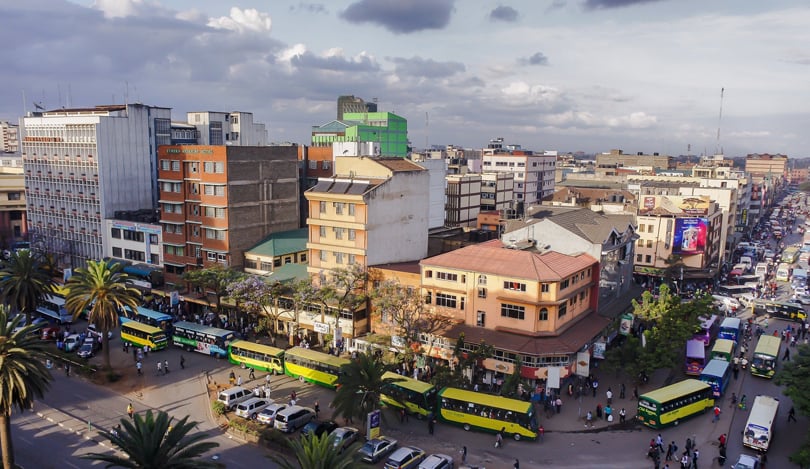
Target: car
343,437
93,332
319,427
406,457
438,461
803,299
87,349
268,415
746,461
51,332
376,449
71,343
250,408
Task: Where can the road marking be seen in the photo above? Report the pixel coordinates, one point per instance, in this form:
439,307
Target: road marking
25,441
64,461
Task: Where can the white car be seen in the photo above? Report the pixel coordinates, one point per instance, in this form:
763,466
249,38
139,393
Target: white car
746,461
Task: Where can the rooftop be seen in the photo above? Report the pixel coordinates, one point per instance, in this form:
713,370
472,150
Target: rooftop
281,243
582,222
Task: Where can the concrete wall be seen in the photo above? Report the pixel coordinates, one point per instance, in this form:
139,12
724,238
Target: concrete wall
437,170
398,219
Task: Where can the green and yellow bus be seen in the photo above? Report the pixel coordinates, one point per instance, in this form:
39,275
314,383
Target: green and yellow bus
723,350
671,404
138,335
257,356
475,410
417,397
314,367
763,363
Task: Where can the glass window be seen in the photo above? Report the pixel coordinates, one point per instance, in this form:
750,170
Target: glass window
448,301
543,314
116,233
513,311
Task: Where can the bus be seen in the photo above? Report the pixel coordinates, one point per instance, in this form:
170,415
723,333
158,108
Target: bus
53,307
257,356
140,335
717,374
695,357
784,310
730,329
416,397
475,410
149,316
736,291
790,255
671,404
314,367
758,431
203,339
783,272
763,363
723,350
708,330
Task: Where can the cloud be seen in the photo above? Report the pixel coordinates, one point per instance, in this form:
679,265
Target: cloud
313,8
538,58
597,4
504,13
334,60
242,21
427,68
401,17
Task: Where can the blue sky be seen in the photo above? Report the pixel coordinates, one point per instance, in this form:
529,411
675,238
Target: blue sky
567,75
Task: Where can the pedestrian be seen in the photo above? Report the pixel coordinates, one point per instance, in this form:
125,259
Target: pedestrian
599,411
659,442
716,414
317,407
742,402
251,375
622,415
621,392
232,378
541,432
267,379
722,457
695,455
517,464
499,438
722,440
688,445
558,405
67,369
786,356
672,451
588,419
126,347
635,392
609,396
239,380
463,455
166,366
685,460
130,411
736,370
792,414
733,399
609,413
138,367
431,424
182,362
159,367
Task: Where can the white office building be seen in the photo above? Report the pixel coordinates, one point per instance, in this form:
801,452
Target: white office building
228,128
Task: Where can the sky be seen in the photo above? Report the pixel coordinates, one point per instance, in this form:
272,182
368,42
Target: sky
568,75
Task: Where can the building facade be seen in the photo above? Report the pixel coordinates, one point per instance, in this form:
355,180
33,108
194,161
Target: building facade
387,129
227,128
614,162
9,138
462,199
533,173
277,250
498,192
13,226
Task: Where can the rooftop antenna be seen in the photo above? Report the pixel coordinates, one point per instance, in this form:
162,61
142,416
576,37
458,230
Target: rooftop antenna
720,119
427,129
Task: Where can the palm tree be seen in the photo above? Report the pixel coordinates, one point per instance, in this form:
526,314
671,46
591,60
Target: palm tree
156,442
23,376
316,452
359,386
24,281
101,289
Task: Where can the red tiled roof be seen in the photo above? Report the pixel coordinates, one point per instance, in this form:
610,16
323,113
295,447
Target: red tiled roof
494,258
399,164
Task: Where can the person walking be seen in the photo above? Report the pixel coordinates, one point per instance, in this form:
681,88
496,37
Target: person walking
166,366
722,440
499,438
251,375
588,419
232,378
239,380
317,408
130,411
716,414
786,356
517,464
695,455
138,367
182,362
659,442
67,369
792,415
621,392
595,386
541,432
622,415
609,396
159,367
463,455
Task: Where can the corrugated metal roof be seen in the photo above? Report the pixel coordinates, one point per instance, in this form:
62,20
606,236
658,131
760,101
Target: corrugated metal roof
281,243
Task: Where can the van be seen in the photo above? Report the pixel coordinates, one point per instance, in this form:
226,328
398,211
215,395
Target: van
234,396
761,269
71,342
748,261
729,302
250,408
293,418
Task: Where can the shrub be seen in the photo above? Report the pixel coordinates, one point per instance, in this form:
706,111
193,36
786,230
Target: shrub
218,408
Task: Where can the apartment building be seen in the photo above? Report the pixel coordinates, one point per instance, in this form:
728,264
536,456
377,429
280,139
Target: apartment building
227,128
9,138
615,162
387,129
217,201
498,192
84,164
533,173
13,226
462,199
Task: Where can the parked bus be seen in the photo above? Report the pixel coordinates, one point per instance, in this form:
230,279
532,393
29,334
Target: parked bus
758,431
203,339
695,357
790,255
140,335
730,329
736,291
717,374
257,356
417,397
708,330
149,316
723,350
763,363
783,272
784,310
671,404
474,410
53,307
315,367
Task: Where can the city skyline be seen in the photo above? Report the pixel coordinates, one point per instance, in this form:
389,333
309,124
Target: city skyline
586,75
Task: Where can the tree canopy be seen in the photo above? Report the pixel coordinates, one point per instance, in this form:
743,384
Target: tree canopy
795,377
405,309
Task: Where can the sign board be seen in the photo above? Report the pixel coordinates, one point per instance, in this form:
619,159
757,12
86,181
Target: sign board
690,235
583,364
373,425
553,380
321,327
626,324
175,298
599,350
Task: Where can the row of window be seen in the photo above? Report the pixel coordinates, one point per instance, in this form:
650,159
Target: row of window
211,167
129,235
339,257
194,209
134,255
193,188
340,207
339,233
313,164
269,266
181,251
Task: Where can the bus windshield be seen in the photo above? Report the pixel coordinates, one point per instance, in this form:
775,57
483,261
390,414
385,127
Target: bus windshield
763,363
417,397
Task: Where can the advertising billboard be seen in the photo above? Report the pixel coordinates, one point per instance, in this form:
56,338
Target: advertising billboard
690,236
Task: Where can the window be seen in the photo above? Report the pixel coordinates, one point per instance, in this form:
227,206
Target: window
482,280
482,292
582,295
175,165
649,243
428,274
352,259
116,252
172,208
165,165
447,276
639,257
326,164
563,310
174,250
338,232
648,259
133,236
564,284
338,207
428,298
481,319
544,288
211,189
351,208
339,257
322,206
323,256
212,256
322,231
304,257
513,311
171,186
543,314
13,196
649,228
448,301
116,233
214,234
214,212
514,286
276,262
352,234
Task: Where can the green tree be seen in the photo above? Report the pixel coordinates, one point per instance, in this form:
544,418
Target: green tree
463,362
316,452
359,386
215,279
795,377
102,290
629,358
301,294
510,385
255,295
344,289
24,282
157,442
23,375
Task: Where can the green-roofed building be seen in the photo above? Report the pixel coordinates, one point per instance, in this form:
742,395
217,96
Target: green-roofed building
277,250
385,128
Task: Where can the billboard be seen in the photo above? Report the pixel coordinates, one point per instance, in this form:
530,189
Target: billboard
675,204
690,236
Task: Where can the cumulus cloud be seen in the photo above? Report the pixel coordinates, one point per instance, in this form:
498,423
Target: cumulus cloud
401,17
538,58
427,68
247,20
573,118
597,4
503,13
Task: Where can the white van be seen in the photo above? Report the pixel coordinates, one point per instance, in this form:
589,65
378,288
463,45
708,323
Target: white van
761,269
729,302
72,342
234,396
293,418
250,408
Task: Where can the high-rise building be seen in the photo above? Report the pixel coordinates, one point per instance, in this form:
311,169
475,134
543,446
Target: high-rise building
534,172
351,103
385,129
85,164
228,128
9,138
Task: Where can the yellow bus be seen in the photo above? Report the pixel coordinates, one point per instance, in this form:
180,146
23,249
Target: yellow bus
417,397
139,335
763,363
723,350
257,356
315,367
475,410
671,404
783,272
